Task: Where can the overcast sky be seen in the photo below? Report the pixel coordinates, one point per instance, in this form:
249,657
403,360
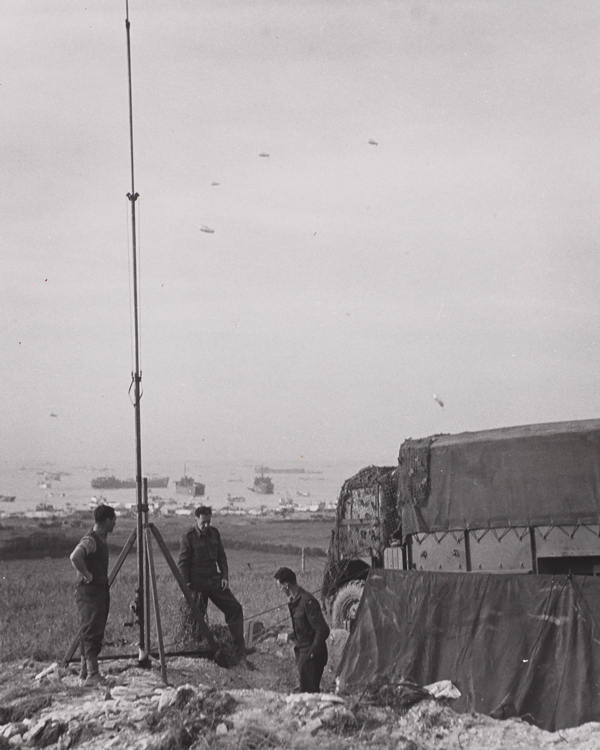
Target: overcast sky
426,221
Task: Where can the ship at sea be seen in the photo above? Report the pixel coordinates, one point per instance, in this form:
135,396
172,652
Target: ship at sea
45,507
263,485
112,483
188,486
234,500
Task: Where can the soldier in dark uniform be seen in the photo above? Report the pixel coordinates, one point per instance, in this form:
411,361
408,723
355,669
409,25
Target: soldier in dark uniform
90,560
310,631
203,566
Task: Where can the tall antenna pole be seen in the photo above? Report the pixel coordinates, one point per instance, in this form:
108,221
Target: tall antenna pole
142,508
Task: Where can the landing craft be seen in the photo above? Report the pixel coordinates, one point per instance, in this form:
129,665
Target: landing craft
204,228
215,183
438,400
372,142
53,415
262,153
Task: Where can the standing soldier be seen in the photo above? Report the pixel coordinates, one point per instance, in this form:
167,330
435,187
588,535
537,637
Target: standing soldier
310,631
90,560
203,566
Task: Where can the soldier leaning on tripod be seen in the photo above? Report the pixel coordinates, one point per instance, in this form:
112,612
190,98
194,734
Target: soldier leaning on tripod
203,566
90,560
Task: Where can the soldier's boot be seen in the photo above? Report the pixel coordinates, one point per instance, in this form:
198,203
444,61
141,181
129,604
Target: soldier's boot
94,677
242,654
240,643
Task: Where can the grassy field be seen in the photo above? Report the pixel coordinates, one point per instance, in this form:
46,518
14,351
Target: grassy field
30,538
38,617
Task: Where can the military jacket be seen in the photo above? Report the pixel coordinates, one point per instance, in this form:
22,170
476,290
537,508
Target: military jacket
310,628
202,559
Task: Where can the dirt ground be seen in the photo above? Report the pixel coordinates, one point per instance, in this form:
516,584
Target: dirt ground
250,706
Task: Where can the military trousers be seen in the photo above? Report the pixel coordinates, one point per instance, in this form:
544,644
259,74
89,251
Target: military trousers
310,667
224,600
93,602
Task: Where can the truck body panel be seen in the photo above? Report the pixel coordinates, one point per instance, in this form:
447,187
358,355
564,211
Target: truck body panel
522,499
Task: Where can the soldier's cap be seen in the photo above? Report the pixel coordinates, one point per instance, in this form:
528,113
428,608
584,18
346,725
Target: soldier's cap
203,510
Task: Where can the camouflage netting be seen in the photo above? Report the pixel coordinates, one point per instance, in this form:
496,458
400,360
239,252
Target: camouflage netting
187,629
391,516
336,574
375,536
190,637
397,695
413,475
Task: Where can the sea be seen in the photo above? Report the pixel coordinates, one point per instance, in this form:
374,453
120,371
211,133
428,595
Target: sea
48,489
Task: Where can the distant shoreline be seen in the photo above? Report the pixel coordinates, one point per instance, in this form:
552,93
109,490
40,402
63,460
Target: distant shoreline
269,470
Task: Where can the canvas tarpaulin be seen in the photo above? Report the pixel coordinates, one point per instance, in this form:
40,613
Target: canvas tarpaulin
514,645
533,475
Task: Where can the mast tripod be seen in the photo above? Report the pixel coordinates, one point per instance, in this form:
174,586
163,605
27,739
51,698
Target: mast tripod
142,508
144,531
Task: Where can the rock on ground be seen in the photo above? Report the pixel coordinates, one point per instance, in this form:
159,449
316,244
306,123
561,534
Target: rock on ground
239,708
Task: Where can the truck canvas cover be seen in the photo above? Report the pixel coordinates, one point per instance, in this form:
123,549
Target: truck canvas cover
514,645
532,475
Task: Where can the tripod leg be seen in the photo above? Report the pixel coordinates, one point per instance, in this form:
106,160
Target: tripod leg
159,633
83,671
121,559
146,584
113,574
184,589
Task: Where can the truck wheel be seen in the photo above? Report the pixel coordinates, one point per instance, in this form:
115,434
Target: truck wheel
343,612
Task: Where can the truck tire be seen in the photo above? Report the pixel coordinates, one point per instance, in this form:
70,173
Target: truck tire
345,604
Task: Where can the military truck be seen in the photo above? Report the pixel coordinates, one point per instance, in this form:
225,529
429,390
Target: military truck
367,522
517,499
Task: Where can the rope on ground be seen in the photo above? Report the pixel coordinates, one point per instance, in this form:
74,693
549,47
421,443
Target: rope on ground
279,606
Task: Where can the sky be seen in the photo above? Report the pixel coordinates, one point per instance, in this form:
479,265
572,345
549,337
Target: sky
425,222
